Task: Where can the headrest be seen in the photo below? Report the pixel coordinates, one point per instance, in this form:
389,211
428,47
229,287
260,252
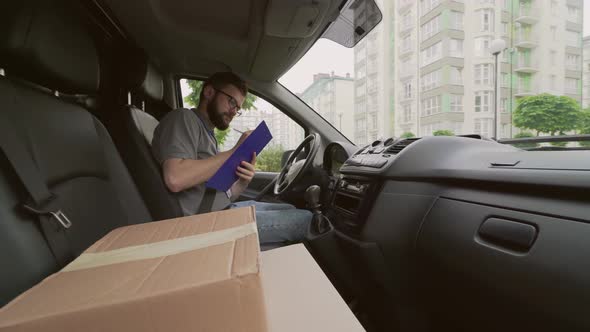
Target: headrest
47,42
142,77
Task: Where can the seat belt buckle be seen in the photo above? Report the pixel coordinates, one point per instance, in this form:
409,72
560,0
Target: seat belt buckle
59,215
61,218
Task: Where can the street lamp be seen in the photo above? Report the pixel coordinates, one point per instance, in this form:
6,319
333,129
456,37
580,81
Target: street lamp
496,47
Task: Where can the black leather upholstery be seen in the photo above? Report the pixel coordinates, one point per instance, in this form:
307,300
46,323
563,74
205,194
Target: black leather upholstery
136,151
71,148
38,44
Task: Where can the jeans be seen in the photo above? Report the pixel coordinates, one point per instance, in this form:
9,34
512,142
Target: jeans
277,222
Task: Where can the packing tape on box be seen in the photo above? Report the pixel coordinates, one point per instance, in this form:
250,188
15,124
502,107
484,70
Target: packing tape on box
160,249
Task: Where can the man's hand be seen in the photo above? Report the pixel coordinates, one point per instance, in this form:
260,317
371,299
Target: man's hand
242,138
246,170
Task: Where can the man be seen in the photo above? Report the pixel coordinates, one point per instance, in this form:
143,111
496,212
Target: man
185,146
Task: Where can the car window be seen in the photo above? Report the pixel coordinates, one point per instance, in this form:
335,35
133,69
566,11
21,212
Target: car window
429,68
287,134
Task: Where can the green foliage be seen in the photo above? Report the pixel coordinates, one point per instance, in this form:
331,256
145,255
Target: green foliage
193,98
546,113
443,132
525,134
585,127
221,135
408,134
270,159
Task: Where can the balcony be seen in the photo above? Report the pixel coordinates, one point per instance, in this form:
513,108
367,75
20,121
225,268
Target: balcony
525,90
525,40
404,4
406,26
527,15
405,49
526,66
407,71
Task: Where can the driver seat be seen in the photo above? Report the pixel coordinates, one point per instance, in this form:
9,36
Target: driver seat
134,129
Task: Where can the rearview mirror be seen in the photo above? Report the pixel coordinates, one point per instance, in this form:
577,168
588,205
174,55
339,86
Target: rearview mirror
357,18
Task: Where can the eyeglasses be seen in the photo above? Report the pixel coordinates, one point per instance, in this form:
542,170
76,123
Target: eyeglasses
233,104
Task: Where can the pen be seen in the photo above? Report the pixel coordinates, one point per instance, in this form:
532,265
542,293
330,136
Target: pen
239,131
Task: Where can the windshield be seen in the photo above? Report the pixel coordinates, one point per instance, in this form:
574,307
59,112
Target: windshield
429,68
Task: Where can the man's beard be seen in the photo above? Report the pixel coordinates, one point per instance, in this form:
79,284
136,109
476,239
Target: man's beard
215,116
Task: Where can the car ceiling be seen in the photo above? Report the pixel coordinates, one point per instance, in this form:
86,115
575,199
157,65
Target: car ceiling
202,36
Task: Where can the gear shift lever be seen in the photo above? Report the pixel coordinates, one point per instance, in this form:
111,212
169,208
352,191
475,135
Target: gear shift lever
319,222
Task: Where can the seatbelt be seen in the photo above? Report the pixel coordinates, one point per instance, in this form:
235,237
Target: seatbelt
207,201
45,205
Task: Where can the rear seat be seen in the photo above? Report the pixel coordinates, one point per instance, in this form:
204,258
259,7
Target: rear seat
47,44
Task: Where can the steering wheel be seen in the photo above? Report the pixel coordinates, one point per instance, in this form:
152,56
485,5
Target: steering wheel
292,171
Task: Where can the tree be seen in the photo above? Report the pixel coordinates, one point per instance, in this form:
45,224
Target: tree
585,126
270,159
443,132
408,134
193,98
525,134
546,113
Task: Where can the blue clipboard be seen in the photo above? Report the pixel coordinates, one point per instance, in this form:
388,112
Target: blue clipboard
225,176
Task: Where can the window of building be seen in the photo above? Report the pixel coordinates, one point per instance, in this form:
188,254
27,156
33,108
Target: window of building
504,79
456,103
484,127
431,80
483,101
503,103
552,57
431,54
487,20
407,43
482,46
373,121
456,48
573,14
431,28
428,5
572,61
572,38
407,20
456,76
456,20
407,115
571,85
430,105
483,74
552,82
408,90
554,32
504,28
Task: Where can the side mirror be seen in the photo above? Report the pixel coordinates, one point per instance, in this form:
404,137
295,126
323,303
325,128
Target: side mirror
285,157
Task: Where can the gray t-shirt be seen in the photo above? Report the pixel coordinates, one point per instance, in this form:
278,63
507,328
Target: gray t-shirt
182,134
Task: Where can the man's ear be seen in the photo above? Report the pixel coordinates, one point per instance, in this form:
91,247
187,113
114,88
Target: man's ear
208,92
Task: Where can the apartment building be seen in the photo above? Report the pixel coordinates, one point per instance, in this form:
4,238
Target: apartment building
586,73
445,70
374,93
286,132
332,96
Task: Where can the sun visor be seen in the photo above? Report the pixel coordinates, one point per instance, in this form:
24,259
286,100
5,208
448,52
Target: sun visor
294,19
357,18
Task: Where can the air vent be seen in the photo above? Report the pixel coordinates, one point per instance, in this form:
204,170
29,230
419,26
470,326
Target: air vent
399,146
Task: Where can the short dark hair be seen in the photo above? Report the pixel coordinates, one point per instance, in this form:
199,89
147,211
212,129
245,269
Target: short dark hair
222,79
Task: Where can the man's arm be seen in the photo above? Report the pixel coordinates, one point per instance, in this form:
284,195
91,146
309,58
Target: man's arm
181,174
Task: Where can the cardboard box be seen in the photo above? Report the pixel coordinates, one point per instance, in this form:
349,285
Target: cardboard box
299,297
198,273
